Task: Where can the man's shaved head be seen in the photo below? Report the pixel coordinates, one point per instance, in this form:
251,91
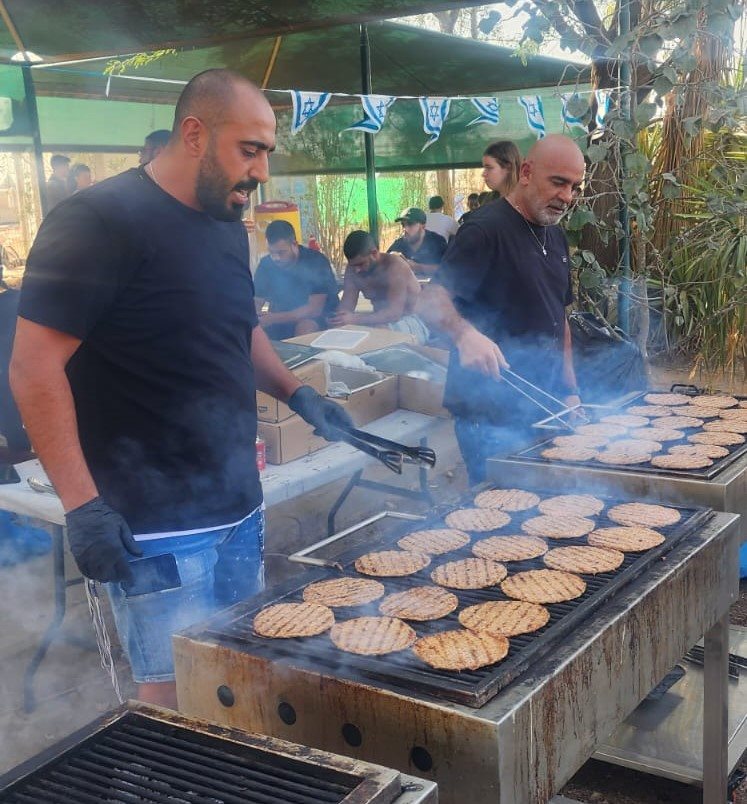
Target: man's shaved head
210,96
556,148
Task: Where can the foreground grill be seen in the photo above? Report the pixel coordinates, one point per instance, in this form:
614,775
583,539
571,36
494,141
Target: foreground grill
404,671
141,755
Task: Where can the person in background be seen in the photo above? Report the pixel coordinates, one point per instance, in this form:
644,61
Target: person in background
501,296
386,281
136,361
57,184
422,249
436,221
80,177
297,282
500,167
153,144
473,203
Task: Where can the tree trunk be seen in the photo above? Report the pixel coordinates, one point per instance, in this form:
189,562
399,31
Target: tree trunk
445,188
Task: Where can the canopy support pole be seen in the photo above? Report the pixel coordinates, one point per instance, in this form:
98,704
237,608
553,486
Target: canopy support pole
368,140
624,292
33,112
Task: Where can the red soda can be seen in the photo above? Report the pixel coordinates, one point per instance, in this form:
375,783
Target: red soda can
261,454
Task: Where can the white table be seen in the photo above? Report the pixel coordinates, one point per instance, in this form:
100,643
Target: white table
279,483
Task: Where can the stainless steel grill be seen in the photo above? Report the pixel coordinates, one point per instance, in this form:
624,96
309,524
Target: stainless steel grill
139,755
404,671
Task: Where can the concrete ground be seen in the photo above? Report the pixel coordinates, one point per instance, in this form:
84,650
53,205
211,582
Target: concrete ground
72,689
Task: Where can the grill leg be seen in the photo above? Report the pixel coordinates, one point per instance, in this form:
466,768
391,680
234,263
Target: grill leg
715,713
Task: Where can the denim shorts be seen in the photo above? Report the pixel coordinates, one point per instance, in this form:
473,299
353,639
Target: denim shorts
217,568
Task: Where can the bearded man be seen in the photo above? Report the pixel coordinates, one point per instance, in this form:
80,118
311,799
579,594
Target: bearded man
137,358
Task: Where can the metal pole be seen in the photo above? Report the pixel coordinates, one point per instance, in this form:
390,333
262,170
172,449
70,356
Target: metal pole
716,713
623,299
368,140
33,112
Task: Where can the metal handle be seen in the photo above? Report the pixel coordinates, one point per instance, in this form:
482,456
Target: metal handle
302,556
41,486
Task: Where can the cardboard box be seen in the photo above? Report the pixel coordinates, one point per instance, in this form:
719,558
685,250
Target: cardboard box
313,373
376,338
290,439
372,394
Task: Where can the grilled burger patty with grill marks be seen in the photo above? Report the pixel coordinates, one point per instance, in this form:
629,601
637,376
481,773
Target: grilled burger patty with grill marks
544,586
557,526
392,563
507,499
286,620
628,539
670,400
419,603
461,650
372,636
651,516
709,450
434,542
477,519
506,617
509,548
714,401
340,592
572,505
725,439
469,573
587,560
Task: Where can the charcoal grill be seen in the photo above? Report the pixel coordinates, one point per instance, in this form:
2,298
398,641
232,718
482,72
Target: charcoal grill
139,753
525,741
722,486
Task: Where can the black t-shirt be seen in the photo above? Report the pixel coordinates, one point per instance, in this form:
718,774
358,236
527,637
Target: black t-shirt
288,288
502,283
162,298
430,252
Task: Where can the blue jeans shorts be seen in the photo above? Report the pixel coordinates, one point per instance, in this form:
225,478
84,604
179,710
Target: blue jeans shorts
217,568
479,441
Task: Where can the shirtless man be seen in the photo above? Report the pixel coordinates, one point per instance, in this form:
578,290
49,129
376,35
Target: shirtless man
386,281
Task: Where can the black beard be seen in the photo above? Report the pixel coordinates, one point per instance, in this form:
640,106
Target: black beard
212,190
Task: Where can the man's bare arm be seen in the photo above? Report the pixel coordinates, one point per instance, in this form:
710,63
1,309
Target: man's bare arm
42,392
312,309
569,373
271,374
423,267
476,351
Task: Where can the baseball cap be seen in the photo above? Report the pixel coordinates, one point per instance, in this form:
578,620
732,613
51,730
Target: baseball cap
411,215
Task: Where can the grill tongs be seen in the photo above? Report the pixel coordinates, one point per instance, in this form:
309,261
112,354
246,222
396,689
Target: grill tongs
520,385
390,453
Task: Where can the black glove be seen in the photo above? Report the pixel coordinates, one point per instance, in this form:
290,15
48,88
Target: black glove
100,540
322,413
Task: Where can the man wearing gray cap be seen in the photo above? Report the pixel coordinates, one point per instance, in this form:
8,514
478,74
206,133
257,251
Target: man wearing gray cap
421,248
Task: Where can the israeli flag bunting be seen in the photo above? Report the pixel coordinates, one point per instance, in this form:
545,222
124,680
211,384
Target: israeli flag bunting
305,106
375,108
490,111
434,115
566,117
535,115
604,100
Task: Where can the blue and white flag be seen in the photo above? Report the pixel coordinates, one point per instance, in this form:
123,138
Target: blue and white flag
305,106
375,108
434,115
565,116
604,100
535,115
490,111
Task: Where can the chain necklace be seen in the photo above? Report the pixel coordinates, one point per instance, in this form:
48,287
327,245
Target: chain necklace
149,169
542,245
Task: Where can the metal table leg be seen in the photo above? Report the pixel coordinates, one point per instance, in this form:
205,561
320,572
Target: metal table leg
715,713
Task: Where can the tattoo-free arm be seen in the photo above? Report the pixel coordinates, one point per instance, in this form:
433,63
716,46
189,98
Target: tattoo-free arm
45,401
270,372
312,309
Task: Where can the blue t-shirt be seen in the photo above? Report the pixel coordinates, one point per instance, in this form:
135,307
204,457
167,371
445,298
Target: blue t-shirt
162,298
289,287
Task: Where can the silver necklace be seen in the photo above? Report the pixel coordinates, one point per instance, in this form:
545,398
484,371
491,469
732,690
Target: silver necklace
153,174
540,245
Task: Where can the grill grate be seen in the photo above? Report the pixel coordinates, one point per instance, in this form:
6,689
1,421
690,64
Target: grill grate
139,759
534,453
404,671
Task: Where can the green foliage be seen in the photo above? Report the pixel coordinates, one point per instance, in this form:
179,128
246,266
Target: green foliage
120,66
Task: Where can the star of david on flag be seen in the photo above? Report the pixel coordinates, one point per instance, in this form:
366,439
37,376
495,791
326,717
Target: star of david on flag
375,108
604,100
305,106
434,115
566,117
490,111
535,115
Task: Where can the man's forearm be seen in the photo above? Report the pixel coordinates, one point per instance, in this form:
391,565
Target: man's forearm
437,310
45,402
386,315
569,373
271,374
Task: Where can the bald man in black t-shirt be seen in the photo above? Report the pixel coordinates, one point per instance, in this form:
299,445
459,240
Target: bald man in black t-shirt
503,287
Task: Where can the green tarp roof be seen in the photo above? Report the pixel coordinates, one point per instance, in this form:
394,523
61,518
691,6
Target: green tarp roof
64,29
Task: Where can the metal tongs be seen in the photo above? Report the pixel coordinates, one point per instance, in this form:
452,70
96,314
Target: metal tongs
390,453
554,416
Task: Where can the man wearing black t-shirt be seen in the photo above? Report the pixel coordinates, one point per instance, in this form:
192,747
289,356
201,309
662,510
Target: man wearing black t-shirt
504,286
421,248
298,283
135,366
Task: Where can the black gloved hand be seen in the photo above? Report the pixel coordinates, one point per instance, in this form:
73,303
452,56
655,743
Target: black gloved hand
100,540
322,413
